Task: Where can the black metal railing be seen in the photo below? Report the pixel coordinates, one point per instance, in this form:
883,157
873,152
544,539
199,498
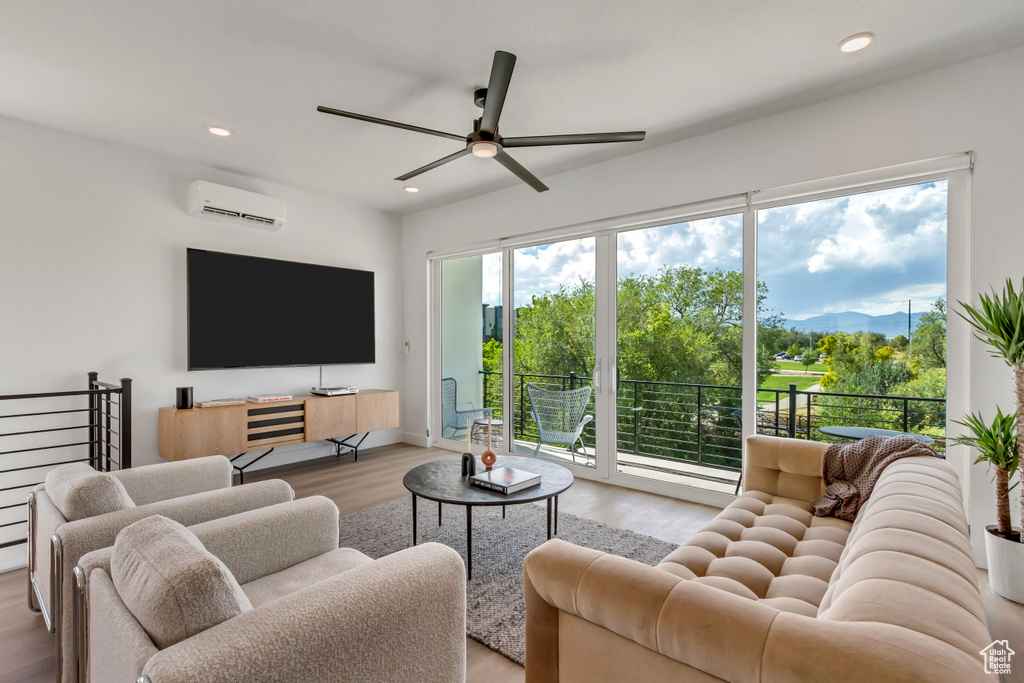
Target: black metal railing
703,424
35,443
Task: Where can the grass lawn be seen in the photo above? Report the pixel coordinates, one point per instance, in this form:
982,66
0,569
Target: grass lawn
782,382
793,365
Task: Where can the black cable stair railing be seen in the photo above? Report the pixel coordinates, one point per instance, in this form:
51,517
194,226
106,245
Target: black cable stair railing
103,441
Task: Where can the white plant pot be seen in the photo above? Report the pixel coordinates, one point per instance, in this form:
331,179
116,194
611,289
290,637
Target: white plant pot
1005,565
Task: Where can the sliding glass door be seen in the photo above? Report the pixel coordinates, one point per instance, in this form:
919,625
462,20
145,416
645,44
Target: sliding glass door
855,299
679,349
554,351
471,386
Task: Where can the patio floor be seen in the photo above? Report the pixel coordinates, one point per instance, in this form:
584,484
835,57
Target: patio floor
676,472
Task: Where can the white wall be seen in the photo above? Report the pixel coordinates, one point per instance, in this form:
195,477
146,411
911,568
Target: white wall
973,106
92,277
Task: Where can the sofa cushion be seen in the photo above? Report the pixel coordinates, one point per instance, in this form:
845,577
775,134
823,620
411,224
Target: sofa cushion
302,575
173,586
908,559
765,547
79,491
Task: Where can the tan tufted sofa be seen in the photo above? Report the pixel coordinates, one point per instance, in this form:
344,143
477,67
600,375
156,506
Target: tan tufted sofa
768,592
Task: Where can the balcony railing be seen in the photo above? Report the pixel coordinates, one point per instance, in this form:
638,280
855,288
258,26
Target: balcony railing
702,424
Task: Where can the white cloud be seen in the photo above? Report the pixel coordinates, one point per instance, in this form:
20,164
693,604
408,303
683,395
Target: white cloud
884,229
707,243
547,267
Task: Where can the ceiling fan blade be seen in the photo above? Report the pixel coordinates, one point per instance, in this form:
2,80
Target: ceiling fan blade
433,164
497,88
579,139
393,124
524,175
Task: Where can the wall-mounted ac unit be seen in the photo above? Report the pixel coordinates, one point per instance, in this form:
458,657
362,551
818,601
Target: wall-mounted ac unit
231,205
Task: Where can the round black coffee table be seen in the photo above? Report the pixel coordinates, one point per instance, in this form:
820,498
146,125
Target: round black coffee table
442,481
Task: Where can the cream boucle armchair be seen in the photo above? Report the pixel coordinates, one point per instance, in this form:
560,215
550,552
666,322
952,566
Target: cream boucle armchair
78,510
768,592
310,611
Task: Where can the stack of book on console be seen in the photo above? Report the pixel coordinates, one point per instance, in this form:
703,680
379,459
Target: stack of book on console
269,398
217,402
505,480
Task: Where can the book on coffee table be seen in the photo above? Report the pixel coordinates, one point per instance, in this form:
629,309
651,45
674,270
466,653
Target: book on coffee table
504,480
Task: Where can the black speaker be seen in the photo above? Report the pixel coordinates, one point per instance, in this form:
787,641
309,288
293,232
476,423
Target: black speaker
184,398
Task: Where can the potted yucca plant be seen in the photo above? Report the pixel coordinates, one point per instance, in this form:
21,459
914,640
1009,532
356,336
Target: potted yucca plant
996,444
999,322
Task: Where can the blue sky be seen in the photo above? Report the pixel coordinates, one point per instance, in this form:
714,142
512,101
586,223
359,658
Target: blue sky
868,253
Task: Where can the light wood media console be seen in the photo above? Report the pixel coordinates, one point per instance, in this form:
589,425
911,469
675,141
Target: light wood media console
238,430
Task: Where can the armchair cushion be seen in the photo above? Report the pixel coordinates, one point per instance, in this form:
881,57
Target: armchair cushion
299,576
79,491
172,585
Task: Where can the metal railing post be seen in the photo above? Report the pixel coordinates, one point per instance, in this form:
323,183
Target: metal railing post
106,432
125,417
700,424
94,422
522,407
777,406
792,410
636,417
572,381
810,399
906,421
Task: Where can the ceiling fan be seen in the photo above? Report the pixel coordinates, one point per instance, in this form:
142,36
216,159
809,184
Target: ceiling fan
484,141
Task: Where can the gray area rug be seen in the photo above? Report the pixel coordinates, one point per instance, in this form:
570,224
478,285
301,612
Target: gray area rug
496,614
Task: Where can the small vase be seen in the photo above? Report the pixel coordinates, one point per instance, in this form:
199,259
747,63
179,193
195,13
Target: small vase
488,458
1005,565
468,465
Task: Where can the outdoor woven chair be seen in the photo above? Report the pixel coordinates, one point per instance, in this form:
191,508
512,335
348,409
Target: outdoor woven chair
559,416
455,414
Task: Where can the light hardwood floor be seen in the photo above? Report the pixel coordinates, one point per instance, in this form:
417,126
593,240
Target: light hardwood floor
26,650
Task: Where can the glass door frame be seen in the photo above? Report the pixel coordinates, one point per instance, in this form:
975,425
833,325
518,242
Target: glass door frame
955,169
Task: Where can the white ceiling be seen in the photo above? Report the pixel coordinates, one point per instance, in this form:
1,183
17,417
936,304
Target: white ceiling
156,74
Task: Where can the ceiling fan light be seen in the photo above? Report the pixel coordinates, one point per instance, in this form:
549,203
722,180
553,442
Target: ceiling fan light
484,149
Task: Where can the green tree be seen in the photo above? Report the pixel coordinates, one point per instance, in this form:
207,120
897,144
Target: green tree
492,356
795,350
899,342
928,340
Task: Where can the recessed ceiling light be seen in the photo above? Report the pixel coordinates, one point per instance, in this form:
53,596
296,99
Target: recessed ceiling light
219,131
410,188
856,42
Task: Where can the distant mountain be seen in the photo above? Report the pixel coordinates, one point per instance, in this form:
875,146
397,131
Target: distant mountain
851,321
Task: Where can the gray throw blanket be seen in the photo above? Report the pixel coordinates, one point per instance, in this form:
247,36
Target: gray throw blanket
851,470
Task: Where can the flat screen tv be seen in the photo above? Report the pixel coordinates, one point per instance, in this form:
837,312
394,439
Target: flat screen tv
248,312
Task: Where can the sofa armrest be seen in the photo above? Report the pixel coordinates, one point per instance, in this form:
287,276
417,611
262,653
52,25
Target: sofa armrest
119,646
44,521
261,542
399,618
152,483
684,620
784,468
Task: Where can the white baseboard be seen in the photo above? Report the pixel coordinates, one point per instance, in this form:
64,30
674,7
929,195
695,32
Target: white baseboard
416,439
